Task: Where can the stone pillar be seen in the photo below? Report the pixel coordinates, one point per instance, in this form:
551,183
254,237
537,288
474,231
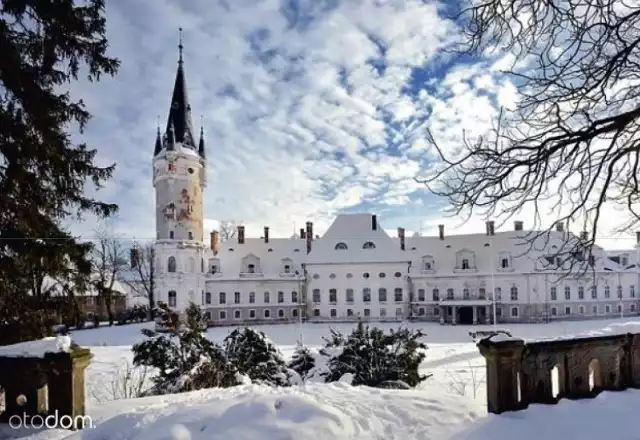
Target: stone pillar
66,382
454,315
443,310
503,365
475,315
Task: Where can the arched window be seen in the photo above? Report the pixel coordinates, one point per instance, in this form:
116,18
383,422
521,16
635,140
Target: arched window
465,263
504,263
368,245
341,246
171,264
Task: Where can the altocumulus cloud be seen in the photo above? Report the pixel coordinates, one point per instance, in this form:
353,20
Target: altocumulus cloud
310,107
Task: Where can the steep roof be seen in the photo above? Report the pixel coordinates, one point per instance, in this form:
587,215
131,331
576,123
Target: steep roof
356,238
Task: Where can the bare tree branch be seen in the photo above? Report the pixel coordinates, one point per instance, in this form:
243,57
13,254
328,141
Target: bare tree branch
572,142
228,229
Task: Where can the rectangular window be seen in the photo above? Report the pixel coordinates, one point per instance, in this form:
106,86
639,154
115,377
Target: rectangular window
436,311
223,315
580,292
398,312
280,297
267,313
366,295
382,294
334,313
294,297
498,293
581,310
316,312
607,292
632,291
350,295
349,312
567,293
619,289
367,312
237,314
567,310
252,314
514,312
316,296
267,298
252,297
514,294
594,292
397,294
450,294
383,313
554,311
222,298
594,310
466,294
236,297
553,293
482,293
333,296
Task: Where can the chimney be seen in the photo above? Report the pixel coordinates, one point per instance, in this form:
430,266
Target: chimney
559,227
401,236
491,228
518,225
441,231
134,257
638,237
302,235
309,236
266,234
374,223
584,235
240,234
215,242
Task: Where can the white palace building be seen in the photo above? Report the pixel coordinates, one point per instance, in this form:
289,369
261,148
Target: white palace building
356,270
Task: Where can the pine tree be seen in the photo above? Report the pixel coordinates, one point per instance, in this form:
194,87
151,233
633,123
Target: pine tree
302,361
44,45
257,357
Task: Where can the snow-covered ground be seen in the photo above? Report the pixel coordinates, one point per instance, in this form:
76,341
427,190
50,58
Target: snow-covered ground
449,405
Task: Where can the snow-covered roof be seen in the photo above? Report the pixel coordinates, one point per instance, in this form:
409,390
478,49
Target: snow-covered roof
355,238
52,283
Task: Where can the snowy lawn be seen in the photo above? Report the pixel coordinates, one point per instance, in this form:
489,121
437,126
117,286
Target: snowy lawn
449,405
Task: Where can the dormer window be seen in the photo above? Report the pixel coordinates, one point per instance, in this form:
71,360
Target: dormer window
341,247
368,245
504,263
287,268
465,260
214,268
428,263
251,268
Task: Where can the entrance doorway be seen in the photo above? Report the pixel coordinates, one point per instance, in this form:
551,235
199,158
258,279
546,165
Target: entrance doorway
465,315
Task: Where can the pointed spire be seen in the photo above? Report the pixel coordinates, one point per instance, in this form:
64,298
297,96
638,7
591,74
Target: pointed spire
201,150
180,111
158,147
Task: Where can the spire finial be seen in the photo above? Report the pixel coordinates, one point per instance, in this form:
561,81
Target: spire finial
201,125
180,46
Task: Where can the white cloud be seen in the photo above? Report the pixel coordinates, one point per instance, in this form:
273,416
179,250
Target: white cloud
297,115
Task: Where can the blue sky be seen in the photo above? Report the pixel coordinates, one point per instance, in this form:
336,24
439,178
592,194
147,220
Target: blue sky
310,108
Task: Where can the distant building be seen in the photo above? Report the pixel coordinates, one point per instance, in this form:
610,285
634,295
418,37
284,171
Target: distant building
356,270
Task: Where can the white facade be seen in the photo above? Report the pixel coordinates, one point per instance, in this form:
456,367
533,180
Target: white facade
356,270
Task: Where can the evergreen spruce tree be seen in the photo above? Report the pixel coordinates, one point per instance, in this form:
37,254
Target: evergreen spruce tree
183,356
258,358
44,45
302,361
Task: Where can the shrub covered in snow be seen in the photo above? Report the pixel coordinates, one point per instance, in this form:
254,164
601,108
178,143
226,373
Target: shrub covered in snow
371,357
258,358
183,356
